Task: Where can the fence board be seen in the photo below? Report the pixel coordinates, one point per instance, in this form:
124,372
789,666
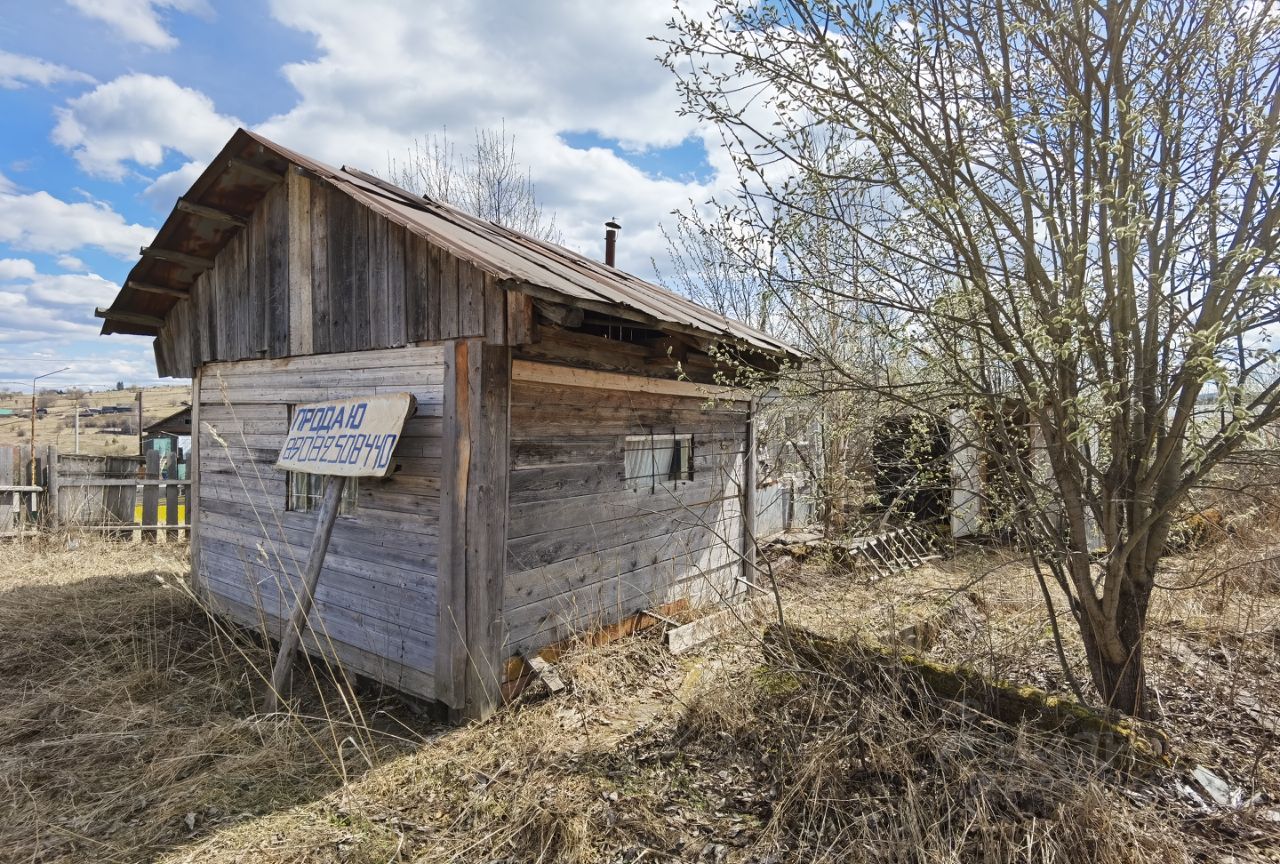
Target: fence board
151,496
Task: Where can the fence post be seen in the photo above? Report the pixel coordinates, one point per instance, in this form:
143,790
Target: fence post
151,497
171,495
51,496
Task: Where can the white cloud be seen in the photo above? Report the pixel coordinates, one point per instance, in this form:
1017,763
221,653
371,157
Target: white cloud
387,73
18,71
139,118
71,262
16,268
138,21
33,323
85,290
39,222
166,188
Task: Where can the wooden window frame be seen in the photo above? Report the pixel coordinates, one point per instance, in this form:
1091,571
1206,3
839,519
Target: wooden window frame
674,474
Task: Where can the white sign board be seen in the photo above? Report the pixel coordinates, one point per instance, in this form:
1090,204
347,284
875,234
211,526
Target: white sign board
346,438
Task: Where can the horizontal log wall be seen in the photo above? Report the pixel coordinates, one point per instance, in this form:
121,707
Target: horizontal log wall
375,607
315,271
585,550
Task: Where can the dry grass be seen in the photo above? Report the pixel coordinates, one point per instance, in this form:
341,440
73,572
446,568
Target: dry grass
127,721
120,717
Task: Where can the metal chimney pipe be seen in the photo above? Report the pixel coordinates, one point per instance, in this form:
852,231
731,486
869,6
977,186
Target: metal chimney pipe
611,229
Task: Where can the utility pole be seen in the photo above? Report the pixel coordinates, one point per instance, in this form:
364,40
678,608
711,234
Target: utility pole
77,425
140,453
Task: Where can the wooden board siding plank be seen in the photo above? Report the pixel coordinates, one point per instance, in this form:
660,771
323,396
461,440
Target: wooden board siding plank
299,237
344,316
417,276
359,296
375,258
470,299
321,305
495,311
276,236
534,394
397,314
258,310
568,376
388,358
446,266
490,386
521,327
430,267
451,586
269,380
240,285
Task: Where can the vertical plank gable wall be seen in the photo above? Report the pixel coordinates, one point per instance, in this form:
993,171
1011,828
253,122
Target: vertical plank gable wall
375,604
316,272
583,548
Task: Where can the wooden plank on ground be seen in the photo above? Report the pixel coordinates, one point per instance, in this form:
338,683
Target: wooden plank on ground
685,638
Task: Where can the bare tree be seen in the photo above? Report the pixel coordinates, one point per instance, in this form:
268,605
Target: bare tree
487,180
1072,209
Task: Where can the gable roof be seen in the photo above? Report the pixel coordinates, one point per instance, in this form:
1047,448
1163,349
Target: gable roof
221,200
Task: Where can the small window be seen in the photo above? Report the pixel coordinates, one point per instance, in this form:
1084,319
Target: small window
654,459
306,491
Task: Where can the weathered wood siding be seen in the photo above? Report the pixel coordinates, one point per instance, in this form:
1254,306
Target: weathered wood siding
377,593
315,271
584,549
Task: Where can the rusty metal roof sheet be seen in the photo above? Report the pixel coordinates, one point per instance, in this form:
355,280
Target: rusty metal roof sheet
247,167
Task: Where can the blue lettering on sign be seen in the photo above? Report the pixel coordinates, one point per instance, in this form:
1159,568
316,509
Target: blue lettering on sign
330,418
332,435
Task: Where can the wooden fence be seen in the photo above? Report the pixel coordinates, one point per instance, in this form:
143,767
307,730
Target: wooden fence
124,496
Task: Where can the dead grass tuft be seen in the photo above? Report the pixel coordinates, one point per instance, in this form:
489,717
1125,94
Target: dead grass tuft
127,721
127,733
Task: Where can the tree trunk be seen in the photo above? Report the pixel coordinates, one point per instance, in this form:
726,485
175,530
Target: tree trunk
1122,684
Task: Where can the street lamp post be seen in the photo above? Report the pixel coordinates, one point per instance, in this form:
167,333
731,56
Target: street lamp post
33,418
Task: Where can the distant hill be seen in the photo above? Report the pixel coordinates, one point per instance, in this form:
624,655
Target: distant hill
114,432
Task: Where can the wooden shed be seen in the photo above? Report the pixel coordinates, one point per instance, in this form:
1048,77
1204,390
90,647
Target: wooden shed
571,461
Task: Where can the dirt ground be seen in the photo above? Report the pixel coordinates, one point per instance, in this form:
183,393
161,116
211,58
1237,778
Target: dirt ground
128,733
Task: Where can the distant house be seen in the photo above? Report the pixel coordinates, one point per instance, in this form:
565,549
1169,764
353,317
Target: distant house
571,462
8,412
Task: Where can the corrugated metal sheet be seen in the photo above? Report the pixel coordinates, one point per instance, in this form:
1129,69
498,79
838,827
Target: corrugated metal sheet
236,181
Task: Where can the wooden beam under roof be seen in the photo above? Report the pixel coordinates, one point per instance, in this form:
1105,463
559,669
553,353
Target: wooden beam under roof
129,318
149,288
193,261
212,213
256,170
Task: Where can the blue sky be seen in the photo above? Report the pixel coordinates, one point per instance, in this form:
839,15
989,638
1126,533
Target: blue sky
112,107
